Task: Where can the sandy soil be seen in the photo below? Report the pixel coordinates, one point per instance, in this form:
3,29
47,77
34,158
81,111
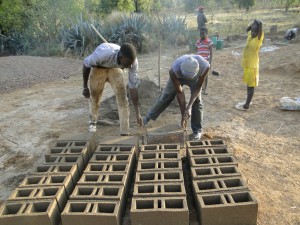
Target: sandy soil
41,99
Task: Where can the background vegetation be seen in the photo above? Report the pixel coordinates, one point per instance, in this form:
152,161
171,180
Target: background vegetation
56,27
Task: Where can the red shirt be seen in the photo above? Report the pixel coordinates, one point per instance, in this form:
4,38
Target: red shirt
203,48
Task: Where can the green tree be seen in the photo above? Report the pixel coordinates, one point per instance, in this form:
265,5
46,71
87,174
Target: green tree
288,3
245,4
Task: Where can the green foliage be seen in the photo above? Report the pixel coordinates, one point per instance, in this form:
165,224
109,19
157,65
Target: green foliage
245,4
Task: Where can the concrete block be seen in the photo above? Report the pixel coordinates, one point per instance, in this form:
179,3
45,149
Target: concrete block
219,185
150,156
92,168
66,160
159,176
115,149
87,139
159,211
85,212
113,158
160,147
234,208
212,161
104,193
203,173
213,151
49,180
159,165
40,193
45,212
45,169
166,135
159,190
115,178
71,151
205,143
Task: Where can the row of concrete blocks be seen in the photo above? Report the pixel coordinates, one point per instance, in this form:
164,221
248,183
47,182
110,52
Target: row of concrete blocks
101,193
159,195
42,196
220,194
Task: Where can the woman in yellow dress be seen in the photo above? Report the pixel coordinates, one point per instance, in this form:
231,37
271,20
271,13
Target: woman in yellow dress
250,61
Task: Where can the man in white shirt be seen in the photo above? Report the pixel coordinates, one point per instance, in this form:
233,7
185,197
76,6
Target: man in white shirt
106,64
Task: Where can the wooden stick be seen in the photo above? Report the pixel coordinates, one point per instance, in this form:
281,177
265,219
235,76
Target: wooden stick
97,32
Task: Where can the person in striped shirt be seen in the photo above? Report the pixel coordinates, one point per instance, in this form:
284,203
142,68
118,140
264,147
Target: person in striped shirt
204,48
106,64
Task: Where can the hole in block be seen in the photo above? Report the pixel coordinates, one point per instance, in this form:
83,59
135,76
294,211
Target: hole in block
79,143
118,167
85,191
170,155
220,150
172,188
77,207
61,144
110,191
149,156
202,161
233,183
150,147
144,204
225,159
146,189
228,170
105,149
206,185
96,167
106,207
212,200
64,168
171,164
147,176
101,157
172,176
91,178
43,169
241,197
217,142
33,180
11,209
23,193
39,207
203,171
117,178
174,203
122,157
147,166
50,191
198,152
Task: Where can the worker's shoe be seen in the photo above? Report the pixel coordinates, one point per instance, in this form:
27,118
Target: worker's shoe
196,136
92,127
146,120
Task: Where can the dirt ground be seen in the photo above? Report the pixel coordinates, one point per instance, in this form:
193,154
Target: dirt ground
41,99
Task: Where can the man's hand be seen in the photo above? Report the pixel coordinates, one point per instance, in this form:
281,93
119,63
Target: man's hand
86,92
183,123
139,119
187,113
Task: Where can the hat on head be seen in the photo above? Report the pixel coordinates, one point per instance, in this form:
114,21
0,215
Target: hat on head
189,68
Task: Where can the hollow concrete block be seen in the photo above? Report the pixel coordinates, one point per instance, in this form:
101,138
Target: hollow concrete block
160,147
159,176
159,211
47,169
65,160
40,193
159,190
219,185
161,155
44,212
234,208
205,143
200,161
86,212
159,165
203,173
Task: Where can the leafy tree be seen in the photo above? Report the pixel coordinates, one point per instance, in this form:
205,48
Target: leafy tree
288,3
245,4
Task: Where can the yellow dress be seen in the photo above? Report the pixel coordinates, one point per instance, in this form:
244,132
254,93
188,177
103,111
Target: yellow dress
250,61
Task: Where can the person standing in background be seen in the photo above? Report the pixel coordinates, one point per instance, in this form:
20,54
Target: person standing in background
250,61
201,18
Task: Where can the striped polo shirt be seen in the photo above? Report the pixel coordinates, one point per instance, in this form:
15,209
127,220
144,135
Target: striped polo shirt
203,47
